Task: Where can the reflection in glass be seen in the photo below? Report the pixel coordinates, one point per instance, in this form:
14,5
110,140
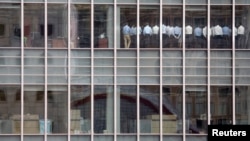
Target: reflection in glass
57,98
172,109
127,21
80,31
221,105
149,22
57,27
149,109
242,38
196,109
80,109
242,104
33,25
172,27
126,109
10,28
33,109
103,109
196,27
103,26
10,111
221,28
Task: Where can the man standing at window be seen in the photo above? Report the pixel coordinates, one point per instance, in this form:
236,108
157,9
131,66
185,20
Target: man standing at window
126,35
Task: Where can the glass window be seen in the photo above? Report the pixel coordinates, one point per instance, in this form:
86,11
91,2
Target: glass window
10,113
196,112
34,98
172,27
103,109
221,27
127,21
57,98
33,25
149,109
80,121
242,104
196,26
221,97
57,27
172,109
126,109
149,22
103,26
80,26
242,38
10,28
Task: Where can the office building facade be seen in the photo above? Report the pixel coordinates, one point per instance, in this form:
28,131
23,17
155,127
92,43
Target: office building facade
116,70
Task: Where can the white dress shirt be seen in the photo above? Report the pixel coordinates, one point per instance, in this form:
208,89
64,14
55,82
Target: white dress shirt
217,30
241,30
155,29
189,29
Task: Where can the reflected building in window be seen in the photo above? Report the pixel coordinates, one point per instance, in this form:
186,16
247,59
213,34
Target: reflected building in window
70,71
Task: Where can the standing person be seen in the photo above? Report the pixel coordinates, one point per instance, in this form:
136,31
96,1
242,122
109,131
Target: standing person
164,35
126,35
155,37
240,36
177,35
147,32
198,36
133,36
189,36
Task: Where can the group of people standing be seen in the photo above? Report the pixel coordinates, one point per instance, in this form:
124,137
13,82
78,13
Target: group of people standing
149,35
220,36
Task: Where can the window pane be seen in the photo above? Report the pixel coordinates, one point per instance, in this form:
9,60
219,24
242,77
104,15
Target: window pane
10,112
103,26
242,38
103,109
172,27
196,27
127,21
80,26
80,109
221,99
196,109
33,25
149,109
149,21
10,28
57,25
172,109
57,97
221,27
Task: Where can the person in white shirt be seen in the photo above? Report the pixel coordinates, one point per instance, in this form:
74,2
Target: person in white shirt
178,35
170,35
147,32
226,36
133,34
155,36
164,35
198,36
126,35
217,36
189,36
240,38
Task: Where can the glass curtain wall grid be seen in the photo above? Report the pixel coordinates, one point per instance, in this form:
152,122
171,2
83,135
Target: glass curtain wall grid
114,70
